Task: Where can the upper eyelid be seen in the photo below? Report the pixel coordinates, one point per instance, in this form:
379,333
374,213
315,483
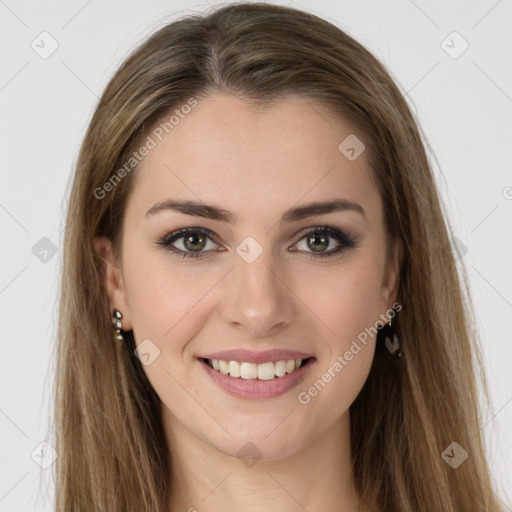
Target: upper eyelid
173,236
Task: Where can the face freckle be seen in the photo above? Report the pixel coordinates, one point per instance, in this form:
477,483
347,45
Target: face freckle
266,289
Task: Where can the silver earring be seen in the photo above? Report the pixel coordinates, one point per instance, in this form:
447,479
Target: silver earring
392,342
117,317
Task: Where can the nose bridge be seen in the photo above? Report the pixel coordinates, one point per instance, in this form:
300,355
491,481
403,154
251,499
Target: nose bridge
257,298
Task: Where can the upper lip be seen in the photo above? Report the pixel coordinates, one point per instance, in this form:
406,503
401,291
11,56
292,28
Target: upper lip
249,356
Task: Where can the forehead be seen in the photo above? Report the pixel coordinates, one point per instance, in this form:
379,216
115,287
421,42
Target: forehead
252,161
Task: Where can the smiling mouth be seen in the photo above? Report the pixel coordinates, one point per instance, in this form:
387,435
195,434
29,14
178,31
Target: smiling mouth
252,371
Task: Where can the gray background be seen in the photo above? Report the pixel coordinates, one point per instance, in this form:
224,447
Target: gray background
463,103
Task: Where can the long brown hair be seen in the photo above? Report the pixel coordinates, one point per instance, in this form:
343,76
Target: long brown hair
112,450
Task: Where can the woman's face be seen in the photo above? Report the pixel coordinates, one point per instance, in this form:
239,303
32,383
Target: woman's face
251,279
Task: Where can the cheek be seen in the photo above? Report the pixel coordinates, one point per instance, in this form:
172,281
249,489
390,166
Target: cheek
166,299
167,304
344,364
346,299
348,307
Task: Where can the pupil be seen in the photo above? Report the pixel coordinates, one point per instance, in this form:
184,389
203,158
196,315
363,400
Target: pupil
323,244
189,241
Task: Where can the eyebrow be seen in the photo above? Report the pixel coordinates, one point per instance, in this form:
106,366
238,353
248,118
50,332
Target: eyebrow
294,214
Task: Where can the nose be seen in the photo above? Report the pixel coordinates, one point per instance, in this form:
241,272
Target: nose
257,298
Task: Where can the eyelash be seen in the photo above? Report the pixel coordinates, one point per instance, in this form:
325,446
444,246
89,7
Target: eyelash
345,241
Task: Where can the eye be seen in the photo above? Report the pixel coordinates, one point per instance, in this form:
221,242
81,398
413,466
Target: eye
194,242
191,242
319,240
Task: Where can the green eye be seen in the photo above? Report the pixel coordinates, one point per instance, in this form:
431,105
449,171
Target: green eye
194,242
318,240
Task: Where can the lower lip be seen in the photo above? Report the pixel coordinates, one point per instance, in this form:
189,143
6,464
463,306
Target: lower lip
254,388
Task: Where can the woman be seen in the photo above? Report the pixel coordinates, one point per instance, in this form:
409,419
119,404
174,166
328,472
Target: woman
260,308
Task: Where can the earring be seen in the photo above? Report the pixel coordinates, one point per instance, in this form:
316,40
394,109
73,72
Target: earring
392,342
117,317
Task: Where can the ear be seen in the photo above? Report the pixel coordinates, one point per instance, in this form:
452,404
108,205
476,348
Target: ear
391,278
113,279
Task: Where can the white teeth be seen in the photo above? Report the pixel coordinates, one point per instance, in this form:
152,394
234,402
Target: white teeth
223,367
263,371
280,368
234,369
248,371
266,371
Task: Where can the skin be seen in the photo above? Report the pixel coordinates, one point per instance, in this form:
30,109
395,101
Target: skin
257,165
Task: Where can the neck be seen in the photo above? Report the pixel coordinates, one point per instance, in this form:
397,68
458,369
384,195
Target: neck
318,477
